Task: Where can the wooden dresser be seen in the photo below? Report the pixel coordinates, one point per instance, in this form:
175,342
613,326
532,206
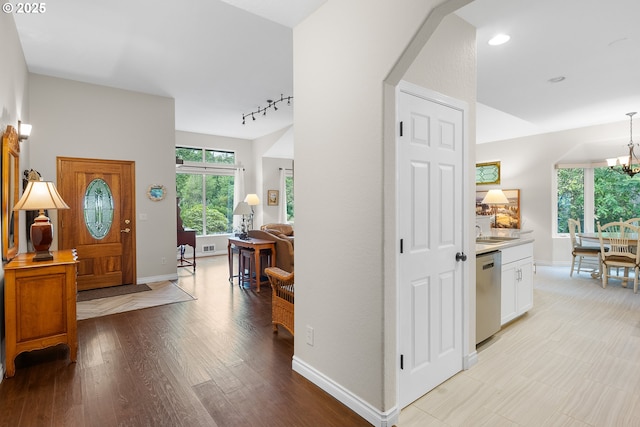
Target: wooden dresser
40,305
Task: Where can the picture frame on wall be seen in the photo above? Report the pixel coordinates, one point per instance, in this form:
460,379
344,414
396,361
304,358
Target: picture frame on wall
488,173
273,197
507,215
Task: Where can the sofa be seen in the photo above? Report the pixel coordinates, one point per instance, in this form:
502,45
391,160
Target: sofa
283,231
284,248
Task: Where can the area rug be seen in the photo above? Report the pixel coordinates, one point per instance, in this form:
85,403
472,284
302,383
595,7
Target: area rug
111,291
161,293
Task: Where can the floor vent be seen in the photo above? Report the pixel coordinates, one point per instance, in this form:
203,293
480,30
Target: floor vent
209,248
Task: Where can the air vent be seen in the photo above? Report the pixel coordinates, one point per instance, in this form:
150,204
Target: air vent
209,248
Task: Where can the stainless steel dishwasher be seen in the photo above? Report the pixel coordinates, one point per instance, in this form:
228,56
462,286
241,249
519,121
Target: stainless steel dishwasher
488,303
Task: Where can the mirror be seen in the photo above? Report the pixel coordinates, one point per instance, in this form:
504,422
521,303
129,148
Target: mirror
10,192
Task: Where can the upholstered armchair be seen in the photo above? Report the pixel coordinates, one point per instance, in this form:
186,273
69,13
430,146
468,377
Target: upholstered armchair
284,248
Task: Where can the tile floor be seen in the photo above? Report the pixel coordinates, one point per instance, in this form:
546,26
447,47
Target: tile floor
573,360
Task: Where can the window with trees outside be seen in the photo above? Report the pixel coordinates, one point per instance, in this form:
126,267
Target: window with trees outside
288,182
595,194
205,192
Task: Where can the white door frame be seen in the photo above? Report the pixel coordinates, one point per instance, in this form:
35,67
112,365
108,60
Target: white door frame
468,294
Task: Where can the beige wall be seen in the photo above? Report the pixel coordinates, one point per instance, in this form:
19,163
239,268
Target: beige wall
342,55
77,119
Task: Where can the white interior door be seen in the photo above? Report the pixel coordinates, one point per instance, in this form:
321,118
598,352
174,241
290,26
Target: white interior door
430,213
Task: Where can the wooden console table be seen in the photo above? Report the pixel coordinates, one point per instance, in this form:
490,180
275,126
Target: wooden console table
257,245
40,304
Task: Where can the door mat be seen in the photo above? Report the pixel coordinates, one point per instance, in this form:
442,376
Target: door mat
111,292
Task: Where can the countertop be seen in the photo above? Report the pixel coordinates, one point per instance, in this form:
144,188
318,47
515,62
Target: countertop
522,237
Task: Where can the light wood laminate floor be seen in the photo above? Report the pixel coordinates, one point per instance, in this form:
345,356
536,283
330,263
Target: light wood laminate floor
574,360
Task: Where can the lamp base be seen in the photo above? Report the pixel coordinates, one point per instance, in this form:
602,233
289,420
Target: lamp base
41,237
43,256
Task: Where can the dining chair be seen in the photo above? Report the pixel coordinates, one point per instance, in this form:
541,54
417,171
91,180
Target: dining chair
579,251
619,237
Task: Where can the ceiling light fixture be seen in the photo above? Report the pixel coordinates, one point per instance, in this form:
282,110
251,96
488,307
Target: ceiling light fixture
625,163
499,39
270,104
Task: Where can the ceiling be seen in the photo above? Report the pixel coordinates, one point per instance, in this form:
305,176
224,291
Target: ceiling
594,44
222,59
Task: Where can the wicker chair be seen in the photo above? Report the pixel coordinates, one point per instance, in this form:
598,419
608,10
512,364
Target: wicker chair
282,298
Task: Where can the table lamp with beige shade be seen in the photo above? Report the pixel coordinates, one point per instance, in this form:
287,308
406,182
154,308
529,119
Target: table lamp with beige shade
495,197
38,196
252,200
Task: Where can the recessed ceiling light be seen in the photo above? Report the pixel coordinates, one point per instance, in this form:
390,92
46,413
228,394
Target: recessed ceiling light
499,39
556,79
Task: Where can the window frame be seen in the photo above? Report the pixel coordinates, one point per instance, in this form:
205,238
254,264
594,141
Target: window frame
204,169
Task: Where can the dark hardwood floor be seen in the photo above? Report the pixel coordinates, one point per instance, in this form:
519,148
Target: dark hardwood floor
209,362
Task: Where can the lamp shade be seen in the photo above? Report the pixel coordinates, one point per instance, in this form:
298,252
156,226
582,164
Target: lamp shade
495,197
40,195
252,199
242,208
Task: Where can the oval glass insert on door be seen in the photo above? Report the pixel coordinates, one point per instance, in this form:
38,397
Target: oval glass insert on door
98,208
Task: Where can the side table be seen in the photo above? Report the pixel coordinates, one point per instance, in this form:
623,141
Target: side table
40,304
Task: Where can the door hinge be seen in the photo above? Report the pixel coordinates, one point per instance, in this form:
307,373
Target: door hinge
401,361
401,246
401,129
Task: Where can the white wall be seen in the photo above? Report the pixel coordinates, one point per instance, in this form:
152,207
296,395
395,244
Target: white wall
14,106
528,164
342,55
77,119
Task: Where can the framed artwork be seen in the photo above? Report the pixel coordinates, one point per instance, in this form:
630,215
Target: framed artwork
488,173
156,192
272,197
504,216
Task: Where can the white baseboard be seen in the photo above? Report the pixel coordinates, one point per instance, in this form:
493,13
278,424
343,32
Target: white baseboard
353,402
470,360
162,278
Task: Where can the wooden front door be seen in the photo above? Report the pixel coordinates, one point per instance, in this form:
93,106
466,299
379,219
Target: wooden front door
101,222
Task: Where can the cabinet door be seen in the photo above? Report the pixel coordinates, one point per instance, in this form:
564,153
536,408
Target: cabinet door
508,309
524,286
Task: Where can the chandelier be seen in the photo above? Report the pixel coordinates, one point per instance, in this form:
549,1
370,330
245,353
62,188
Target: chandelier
625,163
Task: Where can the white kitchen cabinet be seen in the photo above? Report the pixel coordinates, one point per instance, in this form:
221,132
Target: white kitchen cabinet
517,281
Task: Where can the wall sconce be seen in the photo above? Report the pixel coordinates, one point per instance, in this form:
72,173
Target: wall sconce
24,130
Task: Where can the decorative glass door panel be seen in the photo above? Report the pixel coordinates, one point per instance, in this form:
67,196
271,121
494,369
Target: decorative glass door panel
98,208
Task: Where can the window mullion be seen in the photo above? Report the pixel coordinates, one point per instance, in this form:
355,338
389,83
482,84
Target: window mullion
204,205
589,201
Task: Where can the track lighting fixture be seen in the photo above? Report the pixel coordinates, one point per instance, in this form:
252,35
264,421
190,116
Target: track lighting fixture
270,104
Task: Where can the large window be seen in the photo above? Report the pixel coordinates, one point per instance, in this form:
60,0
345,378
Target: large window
206,191
288,182
593,195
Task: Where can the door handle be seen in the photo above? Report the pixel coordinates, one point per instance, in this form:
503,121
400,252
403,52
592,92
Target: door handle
460,256
126,230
